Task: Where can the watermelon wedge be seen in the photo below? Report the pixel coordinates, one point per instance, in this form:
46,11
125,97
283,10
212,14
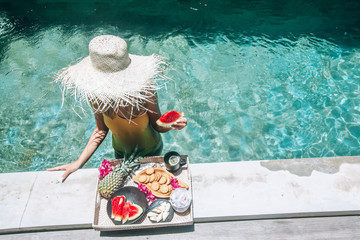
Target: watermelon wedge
114,204
125,212
117,204
135,211
169,118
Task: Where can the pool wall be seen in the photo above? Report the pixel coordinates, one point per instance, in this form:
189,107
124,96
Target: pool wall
33,201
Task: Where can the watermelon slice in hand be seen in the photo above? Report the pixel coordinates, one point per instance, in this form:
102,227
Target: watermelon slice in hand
169,118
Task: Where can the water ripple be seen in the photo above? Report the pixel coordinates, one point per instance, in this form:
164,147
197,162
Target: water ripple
246,97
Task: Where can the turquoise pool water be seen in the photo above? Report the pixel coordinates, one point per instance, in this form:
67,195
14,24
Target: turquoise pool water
256,79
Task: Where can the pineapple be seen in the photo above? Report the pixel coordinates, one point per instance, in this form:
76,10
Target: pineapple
115,179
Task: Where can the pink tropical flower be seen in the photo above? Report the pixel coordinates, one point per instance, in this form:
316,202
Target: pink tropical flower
174,183
150,196
147,192
105,168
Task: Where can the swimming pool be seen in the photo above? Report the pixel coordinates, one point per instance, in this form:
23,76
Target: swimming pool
256,79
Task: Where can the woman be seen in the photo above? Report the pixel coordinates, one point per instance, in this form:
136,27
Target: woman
121,90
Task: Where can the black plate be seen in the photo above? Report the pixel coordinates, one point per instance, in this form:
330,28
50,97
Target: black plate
157,203
133,195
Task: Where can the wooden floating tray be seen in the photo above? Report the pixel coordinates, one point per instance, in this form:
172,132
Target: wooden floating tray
102,222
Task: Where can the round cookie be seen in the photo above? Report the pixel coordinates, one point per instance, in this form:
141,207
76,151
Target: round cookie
149,170
167,181
142,178
147,179
152,178
162,180
164,189
157,176
155,186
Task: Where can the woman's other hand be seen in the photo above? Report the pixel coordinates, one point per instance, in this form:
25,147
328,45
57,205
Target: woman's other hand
155,114
69,168
180,124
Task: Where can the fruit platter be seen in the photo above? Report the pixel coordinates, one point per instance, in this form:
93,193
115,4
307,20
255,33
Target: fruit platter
137,195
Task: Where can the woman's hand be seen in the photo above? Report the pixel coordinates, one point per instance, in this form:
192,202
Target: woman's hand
154,114
95,140
69,168
180,124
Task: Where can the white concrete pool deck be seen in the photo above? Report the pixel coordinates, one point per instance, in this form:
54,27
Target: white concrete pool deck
222,191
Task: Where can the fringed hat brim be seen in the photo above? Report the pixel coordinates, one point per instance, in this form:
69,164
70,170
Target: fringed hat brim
104,90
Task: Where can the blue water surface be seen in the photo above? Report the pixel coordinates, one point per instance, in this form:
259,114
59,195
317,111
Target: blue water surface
256,79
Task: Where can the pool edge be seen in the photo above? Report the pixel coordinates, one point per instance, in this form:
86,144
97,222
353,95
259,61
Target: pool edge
222,191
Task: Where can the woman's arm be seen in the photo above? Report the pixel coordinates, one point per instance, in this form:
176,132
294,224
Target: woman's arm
94,142
155,114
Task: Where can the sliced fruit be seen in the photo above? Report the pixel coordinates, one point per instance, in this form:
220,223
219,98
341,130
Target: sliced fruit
135,211
119,209
117,204
169,118
114,204
125,212
160,213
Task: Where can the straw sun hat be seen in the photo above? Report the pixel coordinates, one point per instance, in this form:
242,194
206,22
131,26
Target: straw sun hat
110,77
